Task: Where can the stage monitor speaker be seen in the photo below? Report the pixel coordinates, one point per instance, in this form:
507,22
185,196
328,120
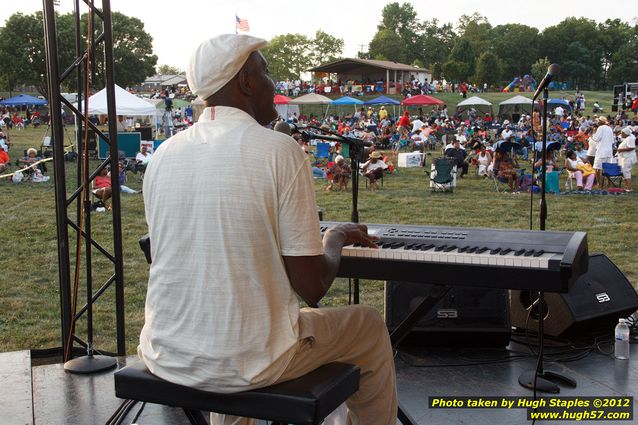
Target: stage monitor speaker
466,316
594,304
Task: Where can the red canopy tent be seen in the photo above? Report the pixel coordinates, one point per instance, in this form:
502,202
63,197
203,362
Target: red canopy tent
421,99
281,99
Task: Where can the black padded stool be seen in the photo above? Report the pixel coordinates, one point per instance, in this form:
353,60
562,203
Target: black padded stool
303,401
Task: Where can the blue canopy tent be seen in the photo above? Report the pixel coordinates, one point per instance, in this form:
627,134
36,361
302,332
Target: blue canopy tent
384,100
554,103
347,100
23,100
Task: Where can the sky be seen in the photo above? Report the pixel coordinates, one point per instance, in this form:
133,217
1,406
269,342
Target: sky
177,27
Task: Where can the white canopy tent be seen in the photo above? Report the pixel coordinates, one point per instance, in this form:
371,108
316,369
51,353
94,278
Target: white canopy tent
474,102
313,99
125,104
515,106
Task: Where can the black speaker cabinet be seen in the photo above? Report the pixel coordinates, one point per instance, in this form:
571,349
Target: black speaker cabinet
466,316
594,304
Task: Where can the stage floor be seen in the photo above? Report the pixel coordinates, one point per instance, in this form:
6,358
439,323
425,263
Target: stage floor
46,395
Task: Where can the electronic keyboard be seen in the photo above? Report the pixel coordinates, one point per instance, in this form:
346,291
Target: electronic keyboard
495,258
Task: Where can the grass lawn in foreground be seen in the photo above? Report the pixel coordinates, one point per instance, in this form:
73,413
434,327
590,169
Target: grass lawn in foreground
29,291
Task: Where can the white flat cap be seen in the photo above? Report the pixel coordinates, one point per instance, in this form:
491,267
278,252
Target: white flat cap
217,60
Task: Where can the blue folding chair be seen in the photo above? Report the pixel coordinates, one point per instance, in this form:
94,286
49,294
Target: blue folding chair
613,173
323,151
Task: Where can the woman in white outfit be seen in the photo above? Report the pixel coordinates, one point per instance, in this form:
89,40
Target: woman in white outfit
627,155
483,159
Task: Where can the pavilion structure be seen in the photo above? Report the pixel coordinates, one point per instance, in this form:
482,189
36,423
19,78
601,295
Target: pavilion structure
374,76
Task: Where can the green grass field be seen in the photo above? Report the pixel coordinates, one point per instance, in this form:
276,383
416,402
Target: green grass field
29,291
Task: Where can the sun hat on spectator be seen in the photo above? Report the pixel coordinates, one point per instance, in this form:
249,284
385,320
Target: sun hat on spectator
32,150
217,60
602,120
375,154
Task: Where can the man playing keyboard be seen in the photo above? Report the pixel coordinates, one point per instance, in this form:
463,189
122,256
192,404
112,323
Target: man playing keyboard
234,244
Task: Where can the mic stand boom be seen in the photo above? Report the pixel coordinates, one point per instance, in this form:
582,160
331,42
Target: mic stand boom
356,147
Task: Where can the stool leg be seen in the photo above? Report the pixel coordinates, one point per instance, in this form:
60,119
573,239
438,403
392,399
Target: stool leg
195,417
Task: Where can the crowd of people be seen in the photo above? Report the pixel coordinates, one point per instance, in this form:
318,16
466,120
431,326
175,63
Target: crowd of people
494,146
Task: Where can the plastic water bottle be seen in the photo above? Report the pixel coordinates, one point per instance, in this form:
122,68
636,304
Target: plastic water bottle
621,348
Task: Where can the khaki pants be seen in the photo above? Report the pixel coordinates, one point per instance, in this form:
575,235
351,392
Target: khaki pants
354,334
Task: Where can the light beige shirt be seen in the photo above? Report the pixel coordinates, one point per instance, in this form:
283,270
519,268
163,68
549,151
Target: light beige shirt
225,200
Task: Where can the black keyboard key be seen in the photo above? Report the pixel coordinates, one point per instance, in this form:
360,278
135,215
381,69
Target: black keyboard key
440,248
396,245
529,252
481,250
505,251
495,251
449,248
427,247
463,248
472,249
539,253
519,252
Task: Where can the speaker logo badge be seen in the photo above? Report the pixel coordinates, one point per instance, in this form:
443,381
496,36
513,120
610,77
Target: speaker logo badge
449,313
603,297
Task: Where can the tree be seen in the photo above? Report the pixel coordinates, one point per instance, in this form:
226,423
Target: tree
168,70
325,48
580,72
288,55
22,52
460,64
436,43
517,47
387,45
614,35
555,42
133,56
455,71
488,69
539,68
402,18
624,63
398,28
477,29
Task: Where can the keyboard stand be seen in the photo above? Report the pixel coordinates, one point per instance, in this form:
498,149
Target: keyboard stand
400,332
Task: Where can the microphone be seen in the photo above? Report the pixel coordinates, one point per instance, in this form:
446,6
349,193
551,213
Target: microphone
552,71
297,128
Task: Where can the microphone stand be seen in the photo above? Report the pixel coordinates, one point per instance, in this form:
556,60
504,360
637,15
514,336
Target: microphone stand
356,147
539,379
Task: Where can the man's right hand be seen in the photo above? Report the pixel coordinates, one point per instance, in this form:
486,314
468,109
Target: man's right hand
354,233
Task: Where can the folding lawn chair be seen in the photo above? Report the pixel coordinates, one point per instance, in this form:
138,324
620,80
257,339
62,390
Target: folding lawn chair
443,175
613,173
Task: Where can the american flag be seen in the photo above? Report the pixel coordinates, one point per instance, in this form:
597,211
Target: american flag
241,24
